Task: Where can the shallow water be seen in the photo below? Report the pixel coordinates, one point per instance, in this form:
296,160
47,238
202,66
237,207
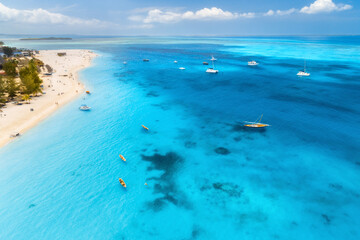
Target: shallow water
207,177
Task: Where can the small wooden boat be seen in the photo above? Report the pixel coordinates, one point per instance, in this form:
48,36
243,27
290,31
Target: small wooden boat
87,92
146,60
122,157
122,182
256,124
146,128
205,63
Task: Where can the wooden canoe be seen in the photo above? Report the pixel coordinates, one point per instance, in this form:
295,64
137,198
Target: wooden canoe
122,157
122,182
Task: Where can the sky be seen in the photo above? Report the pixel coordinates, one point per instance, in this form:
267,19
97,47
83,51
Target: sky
175,18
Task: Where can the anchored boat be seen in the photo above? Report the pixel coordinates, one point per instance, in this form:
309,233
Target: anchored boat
256,124
122,157
84,108
303,73
253,63
122,182
212,70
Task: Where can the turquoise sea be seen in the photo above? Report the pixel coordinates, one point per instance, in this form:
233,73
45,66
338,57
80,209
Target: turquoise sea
207,177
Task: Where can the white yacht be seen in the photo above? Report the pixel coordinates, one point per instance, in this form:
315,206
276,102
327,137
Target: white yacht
175,61
181,68
124,62
253,63
84,108
303,73
212,70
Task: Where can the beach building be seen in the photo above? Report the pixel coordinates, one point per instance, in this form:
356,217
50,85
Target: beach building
26,53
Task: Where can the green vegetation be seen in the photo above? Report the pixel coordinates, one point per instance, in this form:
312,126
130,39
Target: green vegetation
11,87
8,51
2,90
1,43
26,98
29,83
10,68
30,78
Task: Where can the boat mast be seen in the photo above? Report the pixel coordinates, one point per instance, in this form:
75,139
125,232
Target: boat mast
260,118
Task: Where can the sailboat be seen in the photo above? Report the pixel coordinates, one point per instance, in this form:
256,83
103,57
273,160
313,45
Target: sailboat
256,124
212,70
303,73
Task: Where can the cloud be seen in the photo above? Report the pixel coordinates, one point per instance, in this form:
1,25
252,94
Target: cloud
41,16
320,6
280,12
205,14
158,15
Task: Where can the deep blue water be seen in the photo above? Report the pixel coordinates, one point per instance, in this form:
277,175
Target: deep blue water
208,177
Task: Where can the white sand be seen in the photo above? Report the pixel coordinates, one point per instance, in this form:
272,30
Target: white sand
59,89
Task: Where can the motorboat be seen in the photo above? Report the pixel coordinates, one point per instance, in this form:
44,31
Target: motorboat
205,63
253,63
181,68
212,70
146,60
84,108
175,61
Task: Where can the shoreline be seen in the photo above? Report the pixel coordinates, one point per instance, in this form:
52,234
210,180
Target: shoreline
61,87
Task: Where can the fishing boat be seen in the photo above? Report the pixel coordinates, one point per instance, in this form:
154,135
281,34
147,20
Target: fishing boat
146,128
256,124
84,107
146,60
303,73
181,68
212,70
122,157
122,182
88,92
253,63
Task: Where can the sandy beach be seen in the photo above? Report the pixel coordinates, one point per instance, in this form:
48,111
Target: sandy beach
59,88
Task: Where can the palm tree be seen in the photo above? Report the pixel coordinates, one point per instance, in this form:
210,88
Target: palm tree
26,98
